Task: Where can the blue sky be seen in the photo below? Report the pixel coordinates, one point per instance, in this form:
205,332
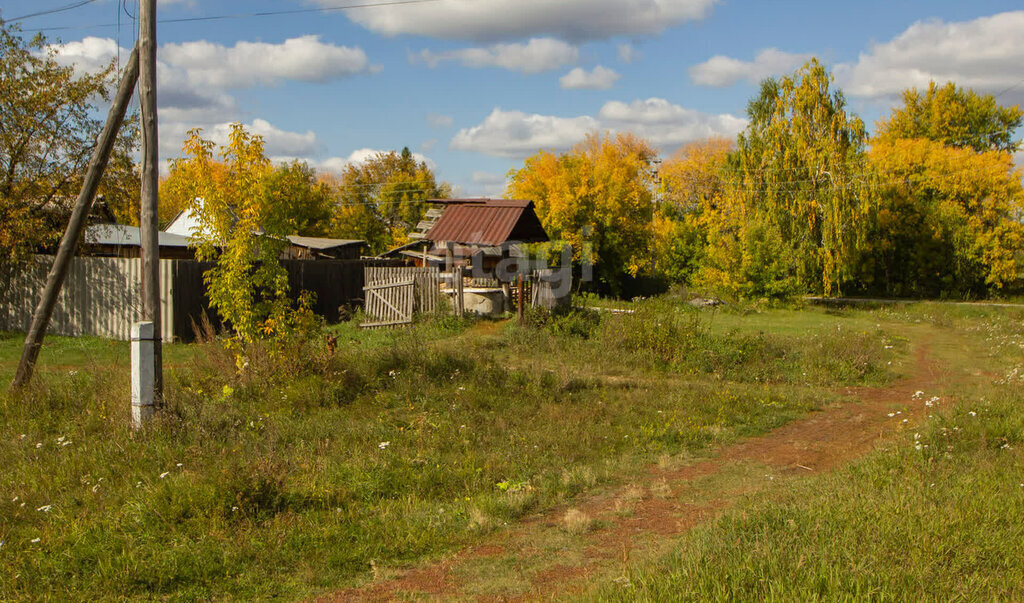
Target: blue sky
474,86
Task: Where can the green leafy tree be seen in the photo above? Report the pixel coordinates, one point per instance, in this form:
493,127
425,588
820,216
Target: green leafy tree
955,117
47,133
242,229
300,199
796,183
382,200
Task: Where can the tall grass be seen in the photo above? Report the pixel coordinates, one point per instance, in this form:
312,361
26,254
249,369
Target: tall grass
321,457
934,516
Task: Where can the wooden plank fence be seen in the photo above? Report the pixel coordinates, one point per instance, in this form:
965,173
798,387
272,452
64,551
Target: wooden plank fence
101,297
387,288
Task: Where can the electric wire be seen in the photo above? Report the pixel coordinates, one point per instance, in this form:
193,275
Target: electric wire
52,11
296,11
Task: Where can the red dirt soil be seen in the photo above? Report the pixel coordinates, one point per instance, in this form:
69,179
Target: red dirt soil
822,441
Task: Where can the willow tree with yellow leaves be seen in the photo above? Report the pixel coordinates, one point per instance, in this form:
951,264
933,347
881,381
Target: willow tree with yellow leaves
242,229
791,218
598,198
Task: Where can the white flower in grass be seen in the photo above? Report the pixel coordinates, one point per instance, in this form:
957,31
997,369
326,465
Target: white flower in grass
383,445
918,394
892,414
45,508
35,540
164,474
973,414
39,444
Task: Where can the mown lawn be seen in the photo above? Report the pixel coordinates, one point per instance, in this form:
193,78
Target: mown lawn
313,468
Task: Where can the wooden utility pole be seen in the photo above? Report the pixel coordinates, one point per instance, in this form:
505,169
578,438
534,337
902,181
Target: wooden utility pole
150,179
83,206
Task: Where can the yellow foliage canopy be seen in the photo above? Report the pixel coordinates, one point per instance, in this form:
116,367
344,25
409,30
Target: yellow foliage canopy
598,198
968,202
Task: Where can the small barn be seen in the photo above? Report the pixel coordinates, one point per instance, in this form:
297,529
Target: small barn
318,248
474,232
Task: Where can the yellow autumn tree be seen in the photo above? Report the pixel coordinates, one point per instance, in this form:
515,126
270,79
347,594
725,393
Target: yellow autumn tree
792,213
948,221
599,198
242,229
693,182
382,199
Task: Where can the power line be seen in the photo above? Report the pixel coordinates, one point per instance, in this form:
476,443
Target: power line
296,11
52,11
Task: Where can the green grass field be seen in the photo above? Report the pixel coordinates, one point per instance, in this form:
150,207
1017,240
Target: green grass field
934,516
312,470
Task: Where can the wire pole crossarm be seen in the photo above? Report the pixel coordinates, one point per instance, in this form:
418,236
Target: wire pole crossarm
76,224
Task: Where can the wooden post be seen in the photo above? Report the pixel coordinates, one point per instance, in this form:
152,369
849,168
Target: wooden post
519,297
149,234
460,298
79,216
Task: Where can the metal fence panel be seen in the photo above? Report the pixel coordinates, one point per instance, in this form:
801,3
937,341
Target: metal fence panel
101,296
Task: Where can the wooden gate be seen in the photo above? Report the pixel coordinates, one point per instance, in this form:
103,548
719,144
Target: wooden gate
389,304
394,293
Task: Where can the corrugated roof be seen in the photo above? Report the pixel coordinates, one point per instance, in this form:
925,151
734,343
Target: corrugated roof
322,243
488,222
128,236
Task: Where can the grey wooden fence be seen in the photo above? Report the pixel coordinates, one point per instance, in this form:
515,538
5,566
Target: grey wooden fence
389,290
101,296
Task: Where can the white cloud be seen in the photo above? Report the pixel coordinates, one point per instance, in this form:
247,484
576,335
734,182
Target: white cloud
514,134
278,143
628,53
665,124
601,78
248,64
985,54
439,121
489,20
365,154
194,76
537,55
88,55
722,71
490,185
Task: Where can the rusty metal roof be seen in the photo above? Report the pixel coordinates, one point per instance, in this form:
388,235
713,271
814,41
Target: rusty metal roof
488,222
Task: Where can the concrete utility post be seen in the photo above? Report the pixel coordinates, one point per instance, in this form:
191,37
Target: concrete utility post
143,399
150,177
